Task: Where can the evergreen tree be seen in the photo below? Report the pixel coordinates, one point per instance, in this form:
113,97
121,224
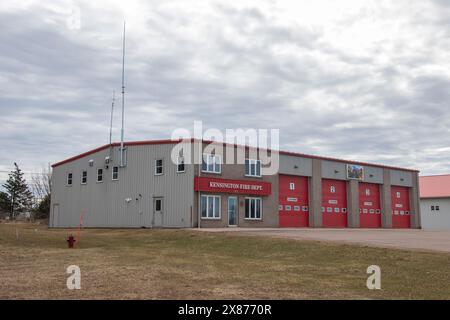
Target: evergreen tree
17,190
5,202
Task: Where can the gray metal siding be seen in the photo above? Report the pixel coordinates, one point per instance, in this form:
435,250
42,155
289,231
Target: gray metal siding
334,170
437,220
373,175
401,178
104,203
295,166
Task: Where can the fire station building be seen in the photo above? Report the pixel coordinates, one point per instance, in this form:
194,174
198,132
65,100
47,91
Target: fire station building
153,191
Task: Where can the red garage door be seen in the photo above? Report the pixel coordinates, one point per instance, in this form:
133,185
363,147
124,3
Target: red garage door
400,207
369,205
334,204
293,201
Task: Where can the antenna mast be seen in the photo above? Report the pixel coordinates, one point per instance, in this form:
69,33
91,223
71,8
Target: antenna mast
112,113
122,150
111,124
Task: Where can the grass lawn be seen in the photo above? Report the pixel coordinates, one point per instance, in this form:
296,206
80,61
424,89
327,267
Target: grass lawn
183,264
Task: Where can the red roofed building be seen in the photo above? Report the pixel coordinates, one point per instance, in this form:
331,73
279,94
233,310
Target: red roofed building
435,201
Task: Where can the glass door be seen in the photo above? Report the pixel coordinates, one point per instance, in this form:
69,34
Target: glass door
232,211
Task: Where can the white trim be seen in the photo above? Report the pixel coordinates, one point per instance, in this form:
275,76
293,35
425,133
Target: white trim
98,181
112,173
252,162
162,167
178,163
220,207
71,179
81,181
261,208
212,156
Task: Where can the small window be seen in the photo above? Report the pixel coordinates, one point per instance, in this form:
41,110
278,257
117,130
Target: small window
180,165
333,189
210,207
159,167
437,208
296,208
287,208
344,210
158,205
253,208
305,208
398,195
367,192
432,208
292,186
99,175
336,210
329,209
69,179
84,177
252,168
211,163
280,207
115,173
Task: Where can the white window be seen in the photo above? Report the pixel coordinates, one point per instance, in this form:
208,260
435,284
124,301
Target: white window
99,175
211,163
252,168
296,208
367,192
253,208
287,208
292,186
159,167
180,165
158,205
84,177
115,173
333,189
210,207
398,195
69,179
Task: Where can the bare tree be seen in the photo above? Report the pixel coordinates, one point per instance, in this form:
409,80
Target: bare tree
42,188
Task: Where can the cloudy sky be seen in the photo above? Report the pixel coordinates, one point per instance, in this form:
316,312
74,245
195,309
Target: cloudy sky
363,80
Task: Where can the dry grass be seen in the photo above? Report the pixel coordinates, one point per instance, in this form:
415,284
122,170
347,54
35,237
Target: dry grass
182,264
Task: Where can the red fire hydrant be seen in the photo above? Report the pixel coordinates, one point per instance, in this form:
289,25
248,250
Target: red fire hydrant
71,240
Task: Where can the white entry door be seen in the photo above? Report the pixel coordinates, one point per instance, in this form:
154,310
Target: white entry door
158,212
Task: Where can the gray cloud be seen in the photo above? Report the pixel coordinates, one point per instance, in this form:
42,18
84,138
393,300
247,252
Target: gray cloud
367,83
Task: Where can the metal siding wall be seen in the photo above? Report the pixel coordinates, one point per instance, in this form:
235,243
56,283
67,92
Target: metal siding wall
105,202
435,220
329,170
288,166
401,178
373,175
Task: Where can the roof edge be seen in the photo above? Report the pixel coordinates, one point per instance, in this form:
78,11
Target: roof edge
169,141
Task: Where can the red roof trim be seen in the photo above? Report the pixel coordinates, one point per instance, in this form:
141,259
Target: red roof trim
168,141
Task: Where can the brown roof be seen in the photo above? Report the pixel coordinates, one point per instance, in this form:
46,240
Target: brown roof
435,186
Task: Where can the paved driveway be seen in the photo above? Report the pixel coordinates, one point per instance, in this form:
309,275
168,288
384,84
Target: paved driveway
387,238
